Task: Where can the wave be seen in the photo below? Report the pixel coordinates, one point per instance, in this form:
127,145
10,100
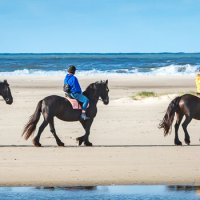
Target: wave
177,69
31,72
186,69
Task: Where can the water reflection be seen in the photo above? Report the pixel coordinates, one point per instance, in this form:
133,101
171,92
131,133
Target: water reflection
68,188
127,192
186,188
124,188
183,188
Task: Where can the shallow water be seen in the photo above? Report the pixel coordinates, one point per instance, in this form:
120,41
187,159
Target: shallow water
102,192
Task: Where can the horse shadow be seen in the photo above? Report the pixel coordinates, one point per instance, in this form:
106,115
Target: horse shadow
99,146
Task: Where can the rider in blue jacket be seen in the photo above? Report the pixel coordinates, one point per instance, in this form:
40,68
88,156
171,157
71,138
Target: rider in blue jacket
75,90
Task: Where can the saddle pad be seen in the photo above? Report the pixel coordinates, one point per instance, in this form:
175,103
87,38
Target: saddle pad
75,104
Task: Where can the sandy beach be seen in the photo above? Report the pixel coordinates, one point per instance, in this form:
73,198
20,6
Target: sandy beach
128,147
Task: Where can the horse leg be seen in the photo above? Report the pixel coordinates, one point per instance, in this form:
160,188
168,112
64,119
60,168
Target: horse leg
53,131
179,117
85,138
80,140
37,138
184,125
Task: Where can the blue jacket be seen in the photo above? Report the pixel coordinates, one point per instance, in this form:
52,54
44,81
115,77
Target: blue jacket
72,81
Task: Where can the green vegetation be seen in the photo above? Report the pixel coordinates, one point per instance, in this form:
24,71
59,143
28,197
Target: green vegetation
144,94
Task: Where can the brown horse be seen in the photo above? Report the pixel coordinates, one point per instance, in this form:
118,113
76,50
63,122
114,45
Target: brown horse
187,105
56,106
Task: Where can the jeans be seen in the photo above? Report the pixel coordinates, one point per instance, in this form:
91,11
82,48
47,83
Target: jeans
83,99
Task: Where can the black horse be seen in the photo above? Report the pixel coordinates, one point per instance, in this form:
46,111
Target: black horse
187,105
60,107
5,92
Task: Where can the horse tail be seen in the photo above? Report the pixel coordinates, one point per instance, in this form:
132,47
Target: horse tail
31,125
168,118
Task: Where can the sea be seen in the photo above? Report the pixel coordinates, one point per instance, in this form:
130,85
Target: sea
53,64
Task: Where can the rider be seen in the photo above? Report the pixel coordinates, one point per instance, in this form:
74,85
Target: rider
75,90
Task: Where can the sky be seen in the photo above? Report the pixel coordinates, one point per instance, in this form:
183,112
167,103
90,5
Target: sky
99,26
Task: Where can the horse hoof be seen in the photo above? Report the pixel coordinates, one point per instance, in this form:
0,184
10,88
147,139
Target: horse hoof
36,144
79,140
89,144
61,144
178,143
187,142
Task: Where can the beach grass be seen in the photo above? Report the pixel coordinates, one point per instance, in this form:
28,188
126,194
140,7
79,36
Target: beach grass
146,94
143,95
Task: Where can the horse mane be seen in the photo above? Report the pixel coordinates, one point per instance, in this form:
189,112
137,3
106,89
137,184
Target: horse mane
4,82
89,88
92,87
1,84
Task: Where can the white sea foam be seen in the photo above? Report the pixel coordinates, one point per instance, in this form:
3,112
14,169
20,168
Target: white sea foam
27,72
166,70
176,69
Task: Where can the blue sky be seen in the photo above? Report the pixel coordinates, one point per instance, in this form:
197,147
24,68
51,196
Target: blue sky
38,26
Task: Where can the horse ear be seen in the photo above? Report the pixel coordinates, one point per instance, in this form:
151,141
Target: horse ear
5,81
94,86
106,82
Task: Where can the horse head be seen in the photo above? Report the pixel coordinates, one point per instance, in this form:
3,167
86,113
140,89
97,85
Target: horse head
103,91
5,92
98,90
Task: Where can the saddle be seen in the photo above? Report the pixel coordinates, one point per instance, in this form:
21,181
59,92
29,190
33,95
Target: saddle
75,104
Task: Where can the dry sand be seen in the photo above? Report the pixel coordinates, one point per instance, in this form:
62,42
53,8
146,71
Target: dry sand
128,146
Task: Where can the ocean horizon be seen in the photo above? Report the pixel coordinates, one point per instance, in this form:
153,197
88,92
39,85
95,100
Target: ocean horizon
44,64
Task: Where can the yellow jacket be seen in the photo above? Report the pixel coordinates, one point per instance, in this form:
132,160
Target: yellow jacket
198,83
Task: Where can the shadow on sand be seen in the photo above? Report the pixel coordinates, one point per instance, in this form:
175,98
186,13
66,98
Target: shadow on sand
99,146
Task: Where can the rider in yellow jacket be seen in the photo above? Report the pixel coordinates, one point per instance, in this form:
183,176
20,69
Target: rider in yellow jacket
198,83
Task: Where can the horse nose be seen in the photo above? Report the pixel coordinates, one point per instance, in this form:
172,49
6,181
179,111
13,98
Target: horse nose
9,101
106,101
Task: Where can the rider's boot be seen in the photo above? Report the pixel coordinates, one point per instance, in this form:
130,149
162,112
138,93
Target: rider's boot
84,117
